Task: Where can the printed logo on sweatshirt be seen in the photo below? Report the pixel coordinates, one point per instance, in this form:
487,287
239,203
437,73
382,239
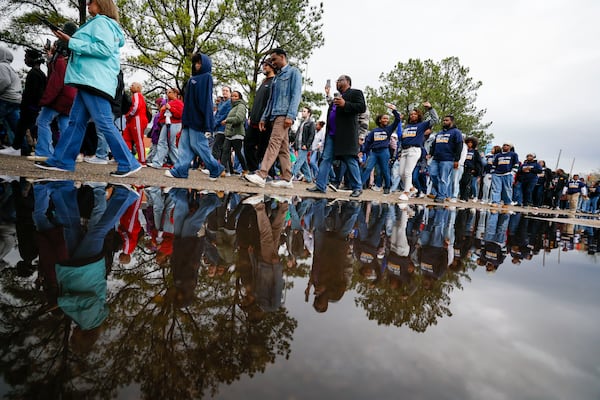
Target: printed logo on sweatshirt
409,132
442,138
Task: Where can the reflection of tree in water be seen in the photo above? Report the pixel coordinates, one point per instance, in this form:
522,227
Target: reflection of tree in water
147,340
416,300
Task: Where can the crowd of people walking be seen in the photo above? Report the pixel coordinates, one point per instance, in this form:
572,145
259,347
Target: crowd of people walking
81,112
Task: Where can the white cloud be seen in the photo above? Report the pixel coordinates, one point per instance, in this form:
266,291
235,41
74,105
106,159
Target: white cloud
537,61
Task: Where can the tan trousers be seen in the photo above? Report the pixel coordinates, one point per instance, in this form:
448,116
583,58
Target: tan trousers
279,146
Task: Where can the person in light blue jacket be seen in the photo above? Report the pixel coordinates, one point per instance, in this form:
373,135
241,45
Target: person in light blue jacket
93,69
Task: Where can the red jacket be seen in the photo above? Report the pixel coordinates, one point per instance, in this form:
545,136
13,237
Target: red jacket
56,95
176,110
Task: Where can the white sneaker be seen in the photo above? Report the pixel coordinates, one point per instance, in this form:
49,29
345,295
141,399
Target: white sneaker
168,174
281,199
79,158
403,197
253,200
282,183
205,171
376,188
10,151
255,179
95,160
453,200
422,195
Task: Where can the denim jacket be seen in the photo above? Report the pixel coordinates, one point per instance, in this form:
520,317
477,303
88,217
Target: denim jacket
286,92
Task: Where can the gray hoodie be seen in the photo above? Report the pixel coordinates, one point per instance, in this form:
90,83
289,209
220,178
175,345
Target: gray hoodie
10,84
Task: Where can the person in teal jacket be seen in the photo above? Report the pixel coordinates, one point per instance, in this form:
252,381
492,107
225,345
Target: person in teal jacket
93,69
73,254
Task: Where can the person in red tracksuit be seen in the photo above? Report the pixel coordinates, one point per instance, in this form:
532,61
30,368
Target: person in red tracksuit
136,122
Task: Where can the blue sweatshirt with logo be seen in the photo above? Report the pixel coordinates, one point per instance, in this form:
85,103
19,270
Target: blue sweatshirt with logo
447,145
379,138
414,134
505,163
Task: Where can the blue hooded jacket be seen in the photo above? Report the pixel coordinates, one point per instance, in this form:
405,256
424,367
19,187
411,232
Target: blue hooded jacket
95,50
83,293
197,99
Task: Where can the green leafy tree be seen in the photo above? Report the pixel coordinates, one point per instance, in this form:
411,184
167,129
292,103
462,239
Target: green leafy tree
261,25
20,26
165,34
446,84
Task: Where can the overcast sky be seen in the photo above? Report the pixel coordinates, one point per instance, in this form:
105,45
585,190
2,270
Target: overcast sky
539,62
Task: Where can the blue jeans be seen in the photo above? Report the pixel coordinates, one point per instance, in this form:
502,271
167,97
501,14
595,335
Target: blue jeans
314,162
435,231
86,106
10,113
194,143
502,188
496,228
327,160
456,176
302,164
592,205
44,146
527,188
382,159
63,195
167,145
184,223
440,172
475,187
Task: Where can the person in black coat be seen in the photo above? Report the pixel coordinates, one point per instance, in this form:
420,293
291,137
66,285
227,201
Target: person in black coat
341,137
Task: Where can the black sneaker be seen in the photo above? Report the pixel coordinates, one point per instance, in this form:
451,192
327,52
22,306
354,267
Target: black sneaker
48,167
123,174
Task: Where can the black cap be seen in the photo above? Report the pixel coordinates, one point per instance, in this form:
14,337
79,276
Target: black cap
69,28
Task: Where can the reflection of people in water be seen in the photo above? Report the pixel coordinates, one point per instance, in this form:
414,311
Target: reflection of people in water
130,229
332,259
71,254
370,246
258,265
299,238
493,250
431,255
23,203
191,209
399,267
160,223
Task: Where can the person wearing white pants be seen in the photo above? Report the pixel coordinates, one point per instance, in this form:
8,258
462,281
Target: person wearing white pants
411,141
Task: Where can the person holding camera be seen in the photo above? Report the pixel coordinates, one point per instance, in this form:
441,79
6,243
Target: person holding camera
341,137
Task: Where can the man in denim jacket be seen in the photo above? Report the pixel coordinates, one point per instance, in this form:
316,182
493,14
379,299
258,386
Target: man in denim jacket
281,110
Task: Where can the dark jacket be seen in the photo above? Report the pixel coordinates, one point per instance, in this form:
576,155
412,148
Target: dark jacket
260,101
346,123
198,104
528,171
306,137
35,83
